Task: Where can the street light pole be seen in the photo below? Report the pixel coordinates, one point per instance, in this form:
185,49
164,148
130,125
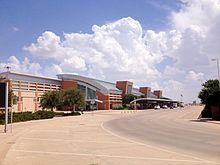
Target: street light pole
217,61
6,107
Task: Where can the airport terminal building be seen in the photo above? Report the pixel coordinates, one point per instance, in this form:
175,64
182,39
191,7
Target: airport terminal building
29,89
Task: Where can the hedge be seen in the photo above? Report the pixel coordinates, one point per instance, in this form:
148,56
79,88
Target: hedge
17,117
26,116
120,107
43,115
73,113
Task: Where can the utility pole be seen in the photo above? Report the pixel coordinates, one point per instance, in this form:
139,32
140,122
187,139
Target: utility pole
6,107
217,61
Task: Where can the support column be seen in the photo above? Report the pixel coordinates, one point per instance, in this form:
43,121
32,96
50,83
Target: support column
135,105
36,101
19,101
6,107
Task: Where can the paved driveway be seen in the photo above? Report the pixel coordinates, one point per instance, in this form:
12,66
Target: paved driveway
174,130
85,140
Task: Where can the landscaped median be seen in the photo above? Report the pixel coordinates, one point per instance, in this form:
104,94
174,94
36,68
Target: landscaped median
26,116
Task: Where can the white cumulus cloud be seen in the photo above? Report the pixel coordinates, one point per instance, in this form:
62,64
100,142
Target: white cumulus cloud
117,48
123,50
24,66
192,76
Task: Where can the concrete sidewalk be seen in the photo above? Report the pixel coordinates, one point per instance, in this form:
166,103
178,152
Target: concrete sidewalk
81,140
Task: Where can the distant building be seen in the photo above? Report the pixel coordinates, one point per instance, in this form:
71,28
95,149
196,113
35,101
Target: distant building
102,94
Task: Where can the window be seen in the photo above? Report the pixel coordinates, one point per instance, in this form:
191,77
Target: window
91,94
82,88
129,89
15,84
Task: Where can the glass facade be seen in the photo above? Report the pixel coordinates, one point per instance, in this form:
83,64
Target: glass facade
90,93
82,88
129,89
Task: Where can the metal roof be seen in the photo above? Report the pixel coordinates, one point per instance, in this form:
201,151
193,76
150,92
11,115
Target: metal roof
104,86
153,99
29,78
28,75
110,86
136,92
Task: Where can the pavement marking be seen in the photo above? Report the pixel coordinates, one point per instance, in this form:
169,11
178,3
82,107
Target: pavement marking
80,141
154,147
111,156
46,130
69,131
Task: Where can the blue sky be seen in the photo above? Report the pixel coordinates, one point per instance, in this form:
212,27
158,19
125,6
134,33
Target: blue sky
33,17
164,44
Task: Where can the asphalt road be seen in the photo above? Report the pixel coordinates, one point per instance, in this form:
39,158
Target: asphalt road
151,137
173,130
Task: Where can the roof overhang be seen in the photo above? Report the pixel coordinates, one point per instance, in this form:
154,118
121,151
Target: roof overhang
94,100
153,99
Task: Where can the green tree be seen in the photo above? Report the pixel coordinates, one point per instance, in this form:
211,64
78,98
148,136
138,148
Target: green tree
50,99
12,98
210,93
127,98
72,98
141,96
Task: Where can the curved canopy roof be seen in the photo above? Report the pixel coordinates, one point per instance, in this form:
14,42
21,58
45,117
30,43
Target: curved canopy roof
153,99
103,86
110,86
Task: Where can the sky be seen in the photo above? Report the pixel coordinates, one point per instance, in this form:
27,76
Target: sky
165,45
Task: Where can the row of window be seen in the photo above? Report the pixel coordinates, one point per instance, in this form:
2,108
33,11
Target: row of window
34,99
16,85
32,83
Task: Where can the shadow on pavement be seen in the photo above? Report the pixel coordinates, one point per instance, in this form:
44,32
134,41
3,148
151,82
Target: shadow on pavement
206,120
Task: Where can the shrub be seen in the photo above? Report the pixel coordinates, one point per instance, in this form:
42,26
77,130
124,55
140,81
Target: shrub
43,115
126,106
2,118
17,117
73,113
21,116
26,116
59,114
117,107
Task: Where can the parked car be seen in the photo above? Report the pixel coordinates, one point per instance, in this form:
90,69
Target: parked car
165,107
174,105
171,107
156,107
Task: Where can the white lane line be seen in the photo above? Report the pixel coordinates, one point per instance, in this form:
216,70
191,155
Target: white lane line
154,147
46,130
67,132
109,156
66,140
